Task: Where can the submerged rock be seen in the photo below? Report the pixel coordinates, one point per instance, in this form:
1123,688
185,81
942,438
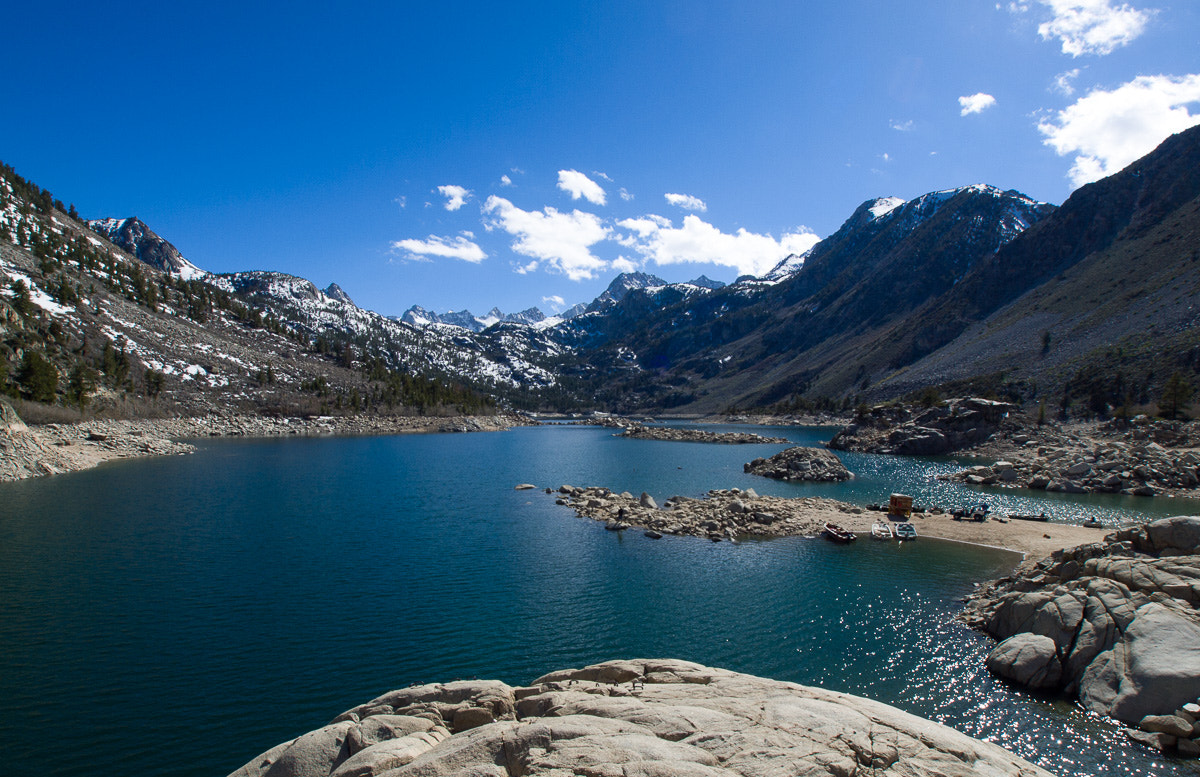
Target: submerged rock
656,718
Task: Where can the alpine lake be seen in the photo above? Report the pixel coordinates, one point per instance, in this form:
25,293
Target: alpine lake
180,615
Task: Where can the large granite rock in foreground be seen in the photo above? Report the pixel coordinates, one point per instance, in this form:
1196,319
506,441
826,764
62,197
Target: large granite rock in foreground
643,718
1116,623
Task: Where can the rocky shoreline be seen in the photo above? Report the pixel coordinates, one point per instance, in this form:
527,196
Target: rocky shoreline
653,718
1095,467
1135,457
1115,623
34,451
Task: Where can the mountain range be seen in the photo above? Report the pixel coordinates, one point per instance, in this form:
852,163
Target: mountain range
1093,303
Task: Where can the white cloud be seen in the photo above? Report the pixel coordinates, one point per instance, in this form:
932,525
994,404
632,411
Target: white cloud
455,196
555,302
599,174
1106,130
975,103
902,126
562,241
402,201
505,181
686,201
698,241
579,185
625,195
1062,82
621,264
1092,26
458,248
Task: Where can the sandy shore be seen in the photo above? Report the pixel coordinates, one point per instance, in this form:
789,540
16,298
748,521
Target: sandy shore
1034,539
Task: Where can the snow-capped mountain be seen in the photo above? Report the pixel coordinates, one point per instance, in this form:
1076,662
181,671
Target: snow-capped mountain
620,287
465,319
786,268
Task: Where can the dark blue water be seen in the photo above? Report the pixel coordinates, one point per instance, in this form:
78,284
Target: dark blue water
177,616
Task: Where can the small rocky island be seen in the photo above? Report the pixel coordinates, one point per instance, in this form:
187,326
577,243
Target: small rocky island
1115,623
639,431
800,465
647,718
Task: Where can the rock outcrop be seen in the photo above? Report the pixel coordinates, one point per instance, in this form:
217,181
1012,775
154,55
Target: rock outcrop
643,718
801,464
722,514
944,428
1116,623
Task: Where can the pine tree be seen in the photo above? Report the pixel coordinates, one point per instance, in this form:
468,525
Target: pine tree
38,377
1175,396
81,384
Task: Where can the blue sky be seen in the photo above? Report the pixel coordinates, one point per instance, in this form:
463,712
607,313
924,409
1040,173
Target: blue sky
465,155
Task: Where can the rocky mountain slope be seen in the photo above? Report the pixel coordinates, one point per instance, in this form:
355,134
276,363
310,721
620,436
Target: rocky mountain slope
969,290
133,328
642,717
1108,283
758,342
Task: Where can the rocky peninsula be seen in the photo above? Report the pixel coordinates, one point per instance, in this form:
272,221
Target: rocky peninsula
724,514
33,451
1115,623
727,514
647,718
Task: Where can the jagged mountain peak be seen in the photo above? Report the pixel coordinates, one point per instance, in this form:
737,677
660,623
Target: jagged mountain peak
621,286
136,238
705,282
465,319
333,291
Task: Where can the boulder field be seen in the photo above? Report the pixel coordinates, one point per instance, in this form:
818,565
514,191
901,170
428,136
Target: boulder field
639,718
1139,468
1116,623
